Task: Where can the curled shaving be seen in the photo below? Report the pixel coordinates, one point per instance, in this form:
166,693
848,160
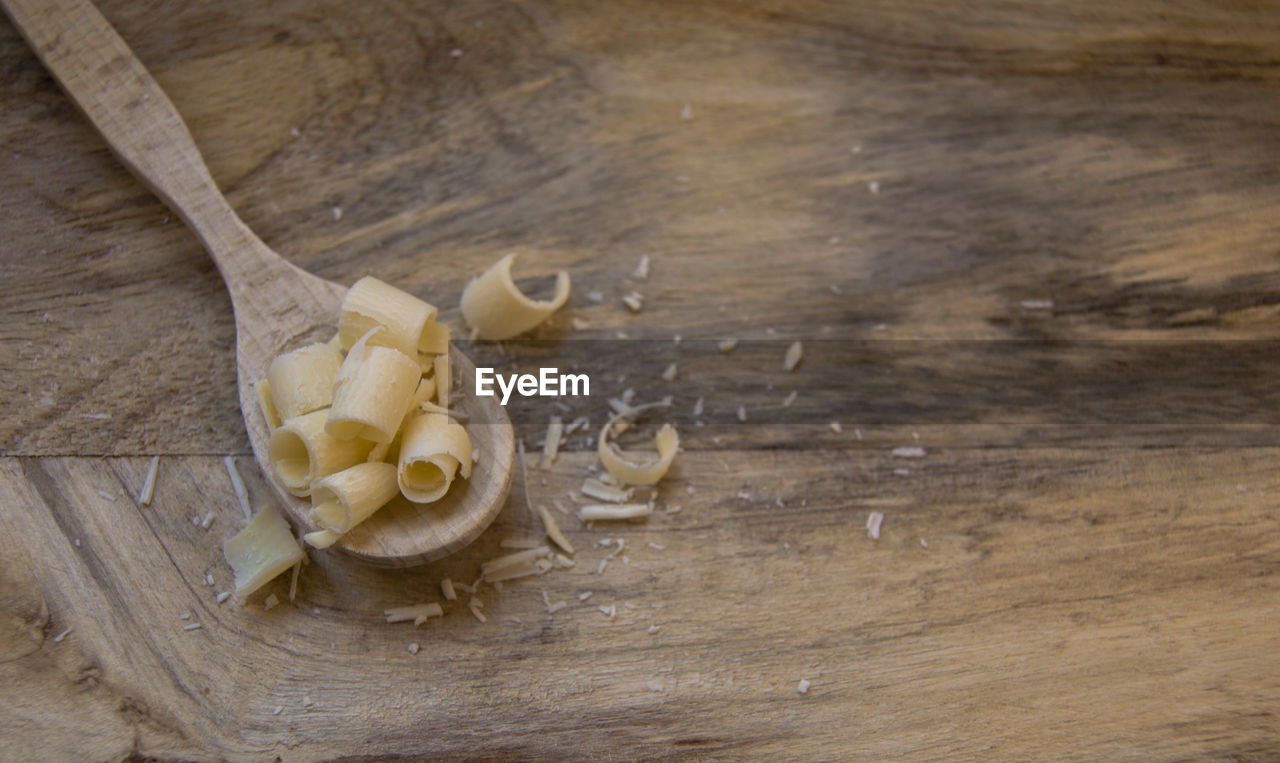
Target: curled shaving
496,309
302,381
666,441
433,450
371,303
372,392
343,500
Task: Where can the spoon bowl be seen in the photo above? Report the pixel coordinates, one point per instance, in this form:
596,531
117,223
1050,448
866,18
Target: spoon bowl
278,307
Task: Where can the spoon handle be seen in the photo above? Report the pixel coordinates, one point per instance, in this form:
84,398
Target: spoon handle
140,124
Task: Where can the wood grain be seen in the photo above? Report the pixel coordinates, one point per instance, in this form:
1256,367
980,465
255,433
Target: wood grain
277,306
1064,288
1097,601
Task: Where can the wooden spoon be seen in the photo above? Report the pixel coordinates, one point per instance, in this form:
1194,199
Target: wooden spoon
277,306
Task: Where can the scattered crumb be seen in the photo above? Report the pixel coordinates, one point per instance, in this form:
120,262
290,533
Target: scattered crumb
184,616
657,547
610,611
653,629
581,324
1037,304
552,530
58,638
446,588
76,543
742,413
803,686
413,647
271,602
795,353
634,301
337,212
474,605
670,373
874,186
924,543
727,345
585,595
909,452
208,520
109,497
237,484
874,520
655,687
594,512
456,53
595,296
642,268
306,700
836,427
902,472
191,627
222,597
789,399
697,407
686,111
149,484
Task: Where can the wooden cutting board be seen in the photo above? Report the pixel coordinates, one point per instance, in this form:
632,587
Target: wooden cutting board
1030,251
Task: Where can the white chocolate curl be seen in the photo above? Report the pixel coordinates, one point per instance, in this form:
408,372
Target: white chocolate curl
433,450
370,303
496,309
301,451
372,393
343,500
667,442
302,381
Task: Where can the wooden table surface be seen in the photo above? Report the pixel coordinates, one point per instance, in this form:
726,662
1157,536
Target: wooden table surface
1036,240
